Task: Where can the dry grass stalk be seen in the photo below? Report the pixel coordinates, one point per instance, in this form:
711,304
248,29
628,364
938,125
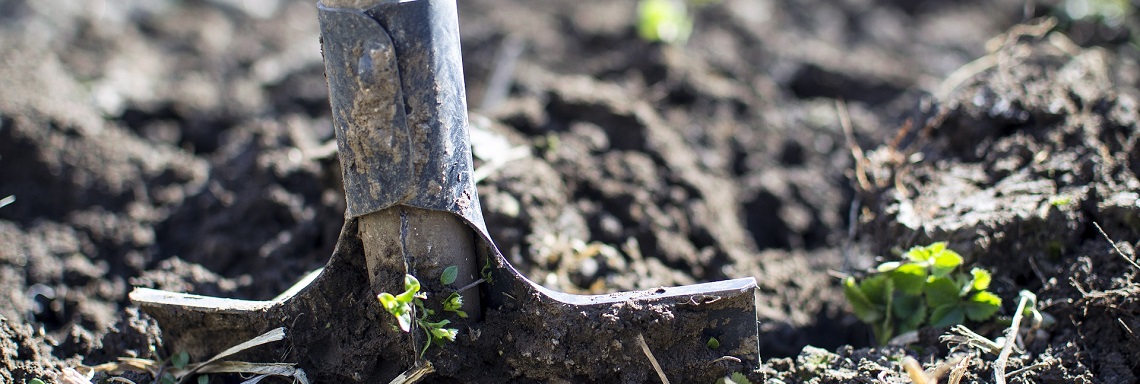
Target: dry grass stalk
652,360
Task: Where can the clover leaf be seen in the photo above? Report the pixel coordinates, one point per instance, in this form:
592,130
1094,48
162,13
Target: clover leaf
924,289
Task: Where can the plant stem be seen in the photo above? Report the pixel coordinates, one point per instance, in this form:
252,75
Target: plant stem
469,286
1010,339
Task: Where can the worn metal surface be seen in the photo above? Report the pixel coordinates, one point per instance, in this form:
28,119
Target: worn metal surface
396,87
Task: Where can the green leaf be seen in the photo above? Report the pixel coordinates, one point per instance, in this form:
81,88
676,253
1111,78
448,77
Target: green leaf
388,301
449,275
438,332
909,311
941,291
713,343
982,279
411,284
909,278
411,288
947,315
402,311
453,302
888,266
945,261
860,304
982,306
878,289
36,381
920,254
404,319
203,379
167,378
180,360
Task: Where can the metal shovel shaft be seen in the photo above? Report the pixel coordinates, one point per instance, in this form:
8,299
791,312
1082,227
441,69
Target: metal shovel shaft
400,114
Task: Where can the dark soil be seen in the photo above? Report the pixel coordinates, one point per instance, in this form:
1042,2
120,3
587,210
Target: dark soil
185,146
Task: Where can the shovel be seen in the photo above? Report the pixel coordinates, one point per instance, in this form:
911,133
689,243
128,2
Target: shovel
396,87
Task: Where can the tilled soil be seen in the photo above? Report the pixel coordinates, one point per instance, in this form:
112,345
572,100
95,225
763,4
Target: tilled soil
187,146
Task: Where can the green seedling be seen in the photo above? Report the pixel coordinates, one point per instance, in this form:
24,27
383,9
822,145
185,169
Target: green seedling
713,343
485,272
401,306
734,378
924,289
452,304
665,21
1060,201
408,308
36,381
179,361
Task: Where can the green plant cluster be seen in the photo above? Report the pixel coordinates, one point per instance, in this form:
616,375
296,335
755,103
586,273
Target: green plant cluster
408,308
926,289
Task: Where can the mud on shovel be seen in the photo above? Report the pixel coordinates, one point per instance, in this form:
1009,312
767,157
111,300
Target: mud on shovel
396,88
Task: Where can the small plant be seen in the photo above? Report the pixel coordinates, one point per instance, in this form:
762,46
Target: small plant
734,378
408,308
485,272
179,361
666,21
926,289
1060,201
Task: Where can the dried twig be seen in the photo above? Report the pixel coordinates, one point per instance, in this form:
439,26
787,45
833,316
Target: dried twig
852,145
1126,258
1011,338
914,370
415,374
966,336
652,360
1028,368
959,370
469,286
276,334
945,367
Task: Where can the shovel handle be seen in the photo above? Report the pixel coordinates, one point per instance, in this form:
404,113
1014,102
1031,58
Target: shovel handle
400,113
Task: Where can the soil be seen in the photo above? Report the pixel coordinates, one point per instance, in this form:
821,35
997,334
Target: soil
185,146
